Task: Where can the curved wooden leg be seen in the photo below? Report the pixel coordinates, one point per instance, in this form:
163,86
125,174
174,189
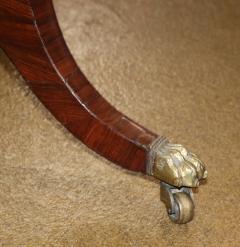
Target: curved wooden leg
32,39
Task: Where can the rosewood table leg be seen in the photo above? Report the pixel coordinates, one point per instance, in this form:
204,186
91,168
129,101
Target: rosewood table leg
31,38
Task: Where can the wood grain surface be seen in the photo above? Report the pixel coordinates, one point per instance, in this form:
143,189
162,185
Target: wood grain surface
32,39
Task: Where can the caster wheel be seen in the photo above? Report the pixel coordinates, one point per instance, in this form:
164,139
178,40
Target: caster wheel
179,203
183,208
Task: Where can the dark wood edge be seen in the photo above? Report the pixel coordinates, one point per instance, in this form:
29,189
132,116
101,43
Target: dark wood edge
31,38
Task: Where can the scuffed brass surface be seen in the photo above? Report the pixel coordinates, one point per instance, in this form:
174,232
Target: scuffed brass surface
173,164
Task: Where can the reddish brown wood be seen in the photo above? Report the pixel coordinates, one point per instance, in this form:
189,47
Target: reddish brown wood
32,39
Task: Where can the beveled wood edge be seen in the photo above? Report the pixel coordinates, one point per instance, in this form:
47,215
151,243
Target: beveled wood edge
31,38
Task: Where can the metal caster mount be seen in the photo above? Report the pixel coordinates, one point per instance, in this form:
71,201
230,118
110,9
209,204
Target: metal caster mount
179,171
179,203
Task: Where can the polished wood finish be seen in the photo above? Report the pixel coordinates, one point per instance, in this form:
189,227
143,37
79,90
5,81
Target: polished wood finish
31,38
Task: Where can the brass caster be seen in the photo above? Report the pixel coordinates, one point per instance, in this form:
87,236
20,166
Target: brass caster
179,203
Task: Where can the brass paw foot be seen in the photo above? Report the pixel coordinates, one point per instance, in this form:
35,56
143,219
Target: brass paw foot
178,170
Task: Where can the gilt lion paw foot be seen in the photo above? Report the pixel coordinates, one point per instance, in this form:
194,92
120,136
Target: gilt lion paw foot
173,164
